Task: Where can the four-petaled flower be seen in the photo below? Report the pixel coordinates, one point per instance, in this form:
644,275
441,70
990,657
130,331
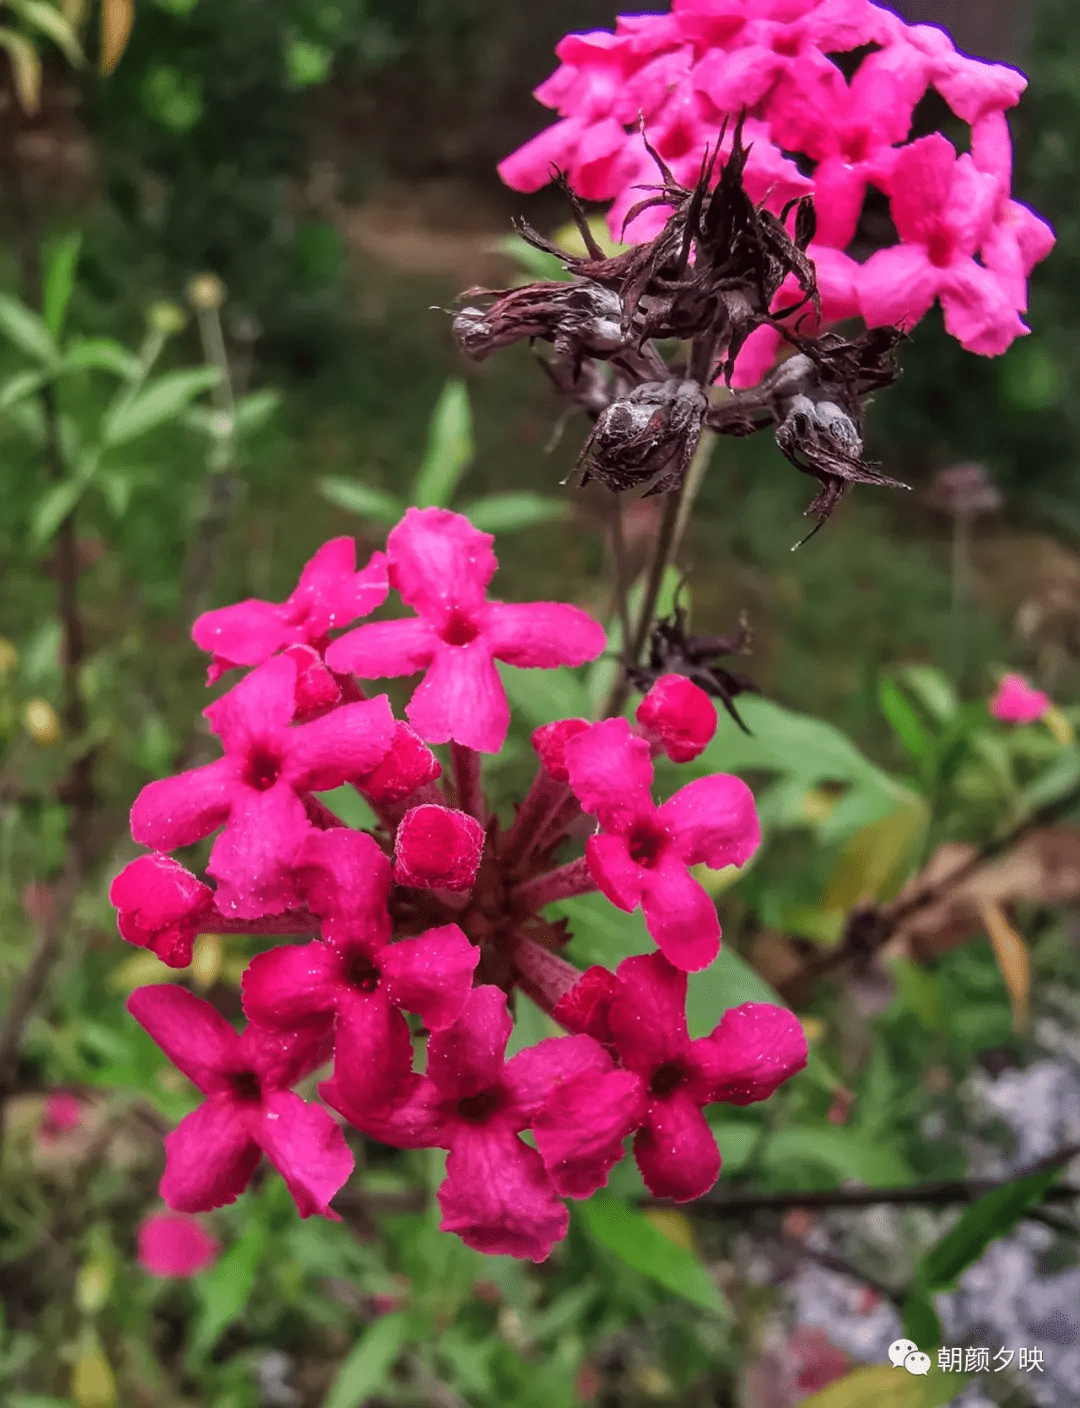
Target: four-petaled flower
441,565
249,1109
642,853
254,788
1017,702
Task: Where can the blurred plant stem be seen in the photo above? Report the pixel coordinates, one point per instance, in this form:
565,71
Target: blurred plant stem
961,592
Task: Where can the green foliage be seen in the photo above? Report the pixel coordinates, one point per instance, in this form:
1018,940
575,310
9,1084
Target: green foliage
635,1240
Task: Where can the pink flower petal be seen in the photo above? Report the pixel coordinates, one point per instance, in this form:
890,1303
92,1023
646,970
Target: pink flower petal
257,711
328,751
549,740
713,820
676,1151
307,1148
839,191
210,1156
373,1053
462,699
680,916
437,848
384,650
331,593
344,877
431,975
498,1197
415,1123
756,1047
529,167
680,715
252,859
611,774
541,635
1018,702
647,1013
290,984
160,905
408,764
534,1073
174,1244
278,1060
756,357
467,1057
244,634
977,309
582,1127
897,286
193,1035
621,879
178,811
922,180
440,564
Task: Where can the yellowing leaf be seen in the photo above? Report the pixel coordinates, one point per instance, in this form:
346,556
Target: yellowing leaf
138,970
93,1384
206,958
882,1386
675,1227
1060,727
117,17
25,68
874,857
819,803
1013,960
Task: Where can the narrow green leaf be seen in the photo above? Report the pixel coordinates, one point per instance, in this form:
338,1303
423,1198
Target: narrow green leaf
728,981
537,263
449,449
60,272
921,1322
100,354
159,401
53,507
116,486
359,498
932,689
844,1152
372,1357
545,695
995,1214
25,67
253,411
903,720
53,24
224,1290
21,385
883,1386
26,330
507,513
633,1238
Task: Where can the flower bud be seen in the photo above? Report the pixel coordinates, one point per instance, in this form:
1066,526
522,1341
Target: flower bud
42,722
549,742
679,716
206,292
166,318
437,849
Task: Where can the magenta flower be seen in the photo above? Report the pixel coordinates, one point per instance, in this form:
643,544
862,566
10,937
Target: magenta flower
642,853
943,206
408,765
160,906
1017,239
550,740
356,973
441,565
971,87
1017,702
755,1048
330,595
254,789
63,1112
678,717
174,1244
249,1108
497,1196
437,848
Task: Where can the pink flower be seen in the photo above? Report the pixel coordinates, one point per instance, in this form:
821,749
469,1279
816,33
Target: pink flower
330,595
407,766
160,907
971,87
355,973
249,1108
642,853
678,716
441,565
1017,702
943,206
254,789
437,848
1017,239
550,741
63,1112
755,1048
174,1244
497,1196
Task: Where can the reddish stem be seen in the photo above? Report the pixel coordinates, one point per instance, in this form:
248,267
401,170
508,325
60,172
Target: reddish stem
541,975
575,878
543,799
470,791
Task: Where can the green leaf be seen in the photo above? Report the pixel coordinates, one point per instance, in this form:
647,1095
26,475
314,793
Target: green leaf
842,1151
172,98
727,982
305,63
18,387
507,513
1059,778
26,330
116,486
932,689
883,1386
449,449
369,1362
600,932
53,507
903,719
161,400
25,68
995,1214
537,263
253,411
224,1290
921,1322
54,26
100,354
545,695
60,272
633,1238
350,806
350,494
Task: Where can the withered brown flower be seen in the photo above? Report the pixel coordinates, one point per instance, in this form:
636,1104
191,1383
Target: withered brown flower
673,651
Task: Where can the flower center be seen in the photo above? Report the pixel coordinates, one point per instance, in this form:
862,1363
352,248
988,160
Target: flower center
363,974
459,630
645,844
787,45
245,1087
856,144
666,1078
480,1107
263,771
940,248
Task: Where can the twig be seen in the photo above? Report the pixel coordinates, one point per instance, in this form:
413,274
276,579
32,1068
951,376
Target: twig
620,587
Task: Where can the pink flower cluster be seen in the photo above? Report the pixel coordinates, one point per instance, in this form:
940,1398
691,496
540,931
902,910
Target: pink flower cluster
677,78
428,923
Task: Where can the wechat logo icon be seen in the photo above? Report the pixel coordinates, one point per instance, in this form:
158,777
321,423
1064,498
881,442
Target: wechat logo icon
906,1354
